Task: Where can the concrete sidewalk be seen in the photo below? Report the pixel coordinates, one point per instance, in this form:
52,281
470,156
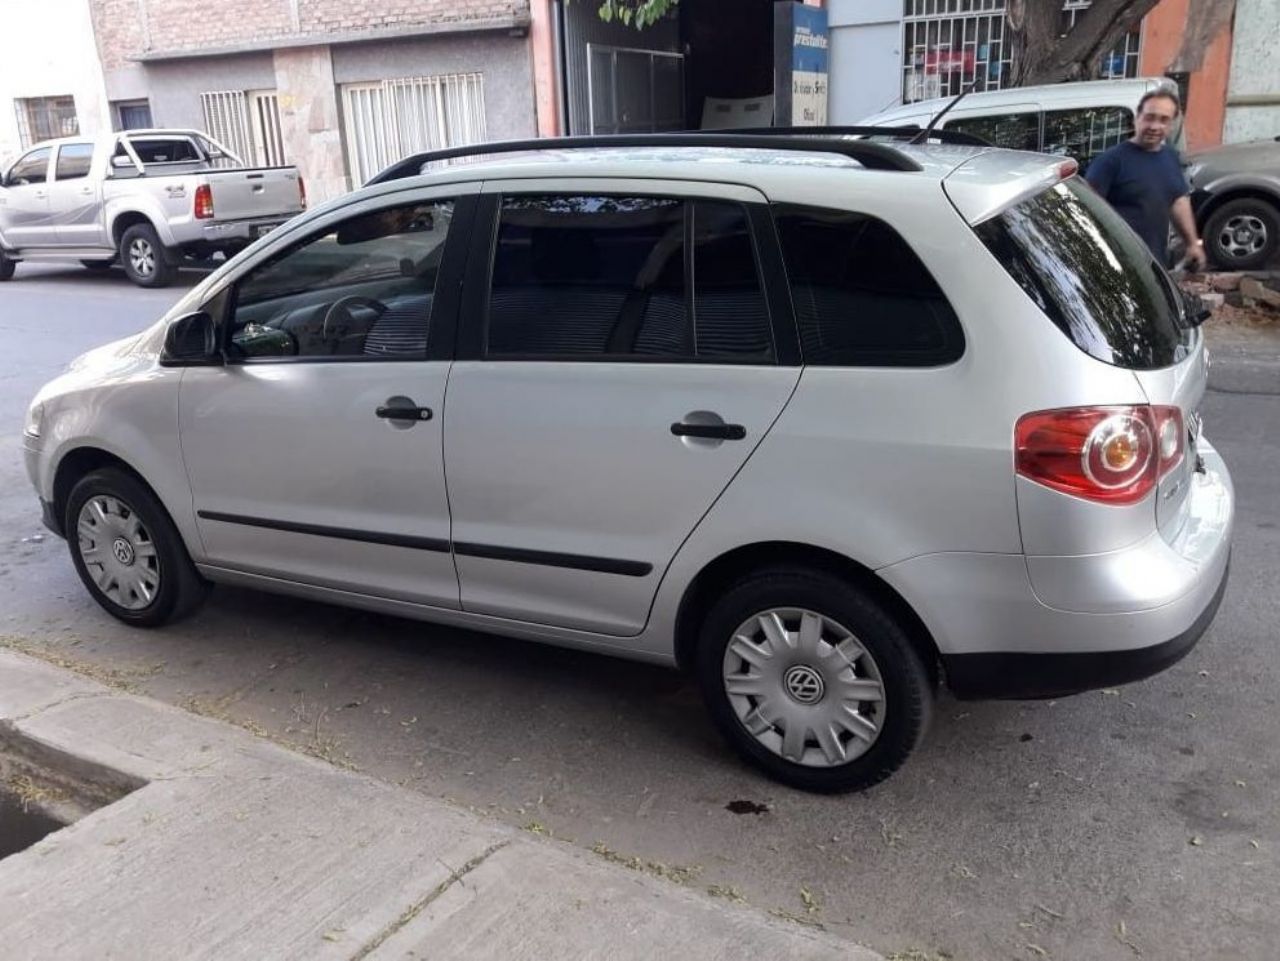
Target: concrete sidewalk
194,839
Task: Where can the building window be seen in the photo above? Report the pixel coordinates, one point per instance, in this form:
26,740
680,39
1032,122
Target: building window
45,118
389,120
949,44
248,122
132,114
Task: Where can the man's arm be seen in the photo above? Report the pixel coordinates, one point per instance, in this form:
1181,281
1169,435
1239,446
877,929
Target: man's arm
1185,222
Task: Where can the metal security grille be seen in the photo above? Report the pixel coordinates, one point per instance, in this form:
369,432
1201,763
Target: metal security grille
634,91
44,118
248,123
391,119
949,44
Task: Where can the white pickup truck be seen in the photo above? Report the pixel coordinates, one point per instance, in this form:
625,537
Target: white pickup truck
145,197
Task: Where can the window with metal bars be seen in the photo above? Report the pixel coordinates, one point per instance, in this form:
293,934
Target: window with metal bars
949,44
388,120
45,118
248,122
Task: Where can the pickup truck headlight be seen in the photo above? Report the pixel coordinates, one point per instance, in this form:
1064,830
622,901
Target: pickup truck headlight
35,421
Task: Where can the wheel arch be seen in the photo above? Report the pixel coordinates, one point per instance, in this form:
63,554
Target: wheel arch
717,575
81,461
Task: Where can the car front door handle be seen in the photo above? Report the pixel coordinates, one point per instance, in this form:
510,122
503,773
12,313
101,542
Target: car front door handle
710,431
404,413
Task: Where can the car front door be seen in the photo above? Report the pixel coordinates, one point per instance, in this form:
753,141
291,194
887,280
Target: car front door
24,202
617,366
75,203
314,452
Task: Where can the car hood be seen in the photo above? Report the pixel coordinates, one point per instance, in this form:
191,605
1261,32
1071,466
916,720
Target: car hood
1257,156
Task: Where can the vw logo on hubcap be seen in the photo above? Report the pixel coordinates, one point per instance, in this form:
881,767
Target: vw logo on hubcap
123,551
804,684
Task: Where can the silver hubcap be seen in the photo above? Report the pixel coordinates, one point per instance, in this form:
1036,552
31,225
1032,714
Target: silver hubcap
143,257
118,552
1243,236
804,687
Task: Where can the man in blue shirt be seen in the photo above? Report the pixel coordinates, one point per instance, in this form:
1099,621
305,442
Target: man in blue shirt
1142,179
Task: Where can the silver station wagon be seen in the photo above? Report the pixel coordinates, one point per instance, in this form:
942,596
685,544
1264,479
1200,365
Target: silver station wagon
825,421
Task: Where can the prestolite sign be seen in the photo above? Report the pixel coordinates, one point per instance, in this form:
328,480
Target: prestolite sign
800,43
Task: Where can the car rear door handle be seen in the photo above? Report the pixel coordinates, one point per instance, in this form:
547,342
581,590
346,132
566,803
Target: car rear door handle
710,431
404,413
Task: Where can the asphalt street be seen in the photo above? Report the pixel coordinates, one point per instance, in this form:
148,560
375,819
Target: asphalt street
1138,822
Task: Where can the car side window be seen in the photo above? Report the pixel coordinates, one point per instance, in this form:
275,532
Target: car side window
31,169
628,278
361,290
1016,131
74,160
1085,133
862,296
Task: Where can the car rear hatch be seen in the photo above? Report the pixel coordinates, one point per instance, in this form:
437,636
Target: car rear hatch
1096,281
248,194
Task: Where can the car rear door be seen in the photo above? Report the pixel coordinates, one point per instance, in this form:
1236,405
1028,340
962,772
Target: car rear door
75,198
618,363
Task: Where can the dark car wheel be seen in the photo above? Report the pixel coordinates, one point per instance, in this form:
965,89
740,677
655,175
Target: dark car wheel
810,680
1243,234
127,551
144,257
6,267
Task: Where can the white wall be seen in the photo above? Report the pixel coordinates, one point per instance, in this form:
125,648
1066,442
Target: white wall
866,58
47,49
1253,94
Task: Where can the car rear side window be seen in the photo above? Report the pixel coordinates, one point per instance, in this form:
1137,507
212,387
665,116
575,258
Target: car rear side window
1091,275
862,297
580,277
74,160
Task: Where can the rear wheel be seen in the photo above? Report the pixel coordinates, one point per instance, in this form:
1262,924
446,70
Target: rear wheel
812,681
127,551
144,258
1243,234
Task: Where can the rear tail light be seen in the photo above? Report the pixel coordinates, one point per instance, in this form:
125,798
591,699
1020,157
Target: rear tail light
204,202
1111,455
302,192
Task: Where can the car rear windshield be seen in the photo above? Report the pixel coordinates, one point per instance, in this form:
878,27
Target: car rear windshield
1092,275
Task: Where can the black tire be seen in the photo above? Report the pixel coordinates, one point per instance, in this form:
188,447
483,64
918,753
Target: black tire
180,588
98,265
6,268
144,258
1243,234
902,715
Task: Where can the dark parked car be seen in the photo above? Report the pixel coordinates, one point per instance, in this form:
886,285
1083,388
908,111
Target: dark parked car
1235,191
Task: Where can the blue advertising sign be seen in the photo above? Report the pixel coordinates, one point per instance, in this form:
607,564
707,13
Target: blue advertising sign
800,47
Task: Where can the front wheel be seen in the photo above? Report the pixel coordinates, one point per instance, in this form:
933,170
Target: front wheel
127,551
1243,234
811,681
144,258
6,267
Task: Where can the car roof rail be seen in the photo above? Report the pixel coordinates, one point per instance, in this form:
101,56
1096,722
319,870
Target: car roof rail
902,132
869,153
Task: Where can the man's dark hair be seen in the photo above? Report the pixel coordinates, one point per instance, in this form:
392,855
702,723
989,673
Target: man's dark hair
1163,92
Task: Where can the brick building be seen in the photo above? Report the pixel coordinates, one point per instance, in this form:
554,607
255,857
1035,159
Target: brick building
339,87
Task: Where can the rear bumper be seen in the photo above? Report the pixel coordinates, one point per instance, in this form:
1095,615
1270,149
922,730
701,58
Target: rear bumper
1013,626
239,231
1026,676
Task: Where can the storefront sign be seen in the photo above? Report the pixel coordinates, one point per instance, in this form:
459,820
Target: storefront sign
801,41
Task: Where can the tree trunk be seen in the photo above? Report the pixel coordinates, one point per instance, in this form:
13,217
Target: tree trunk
1041,54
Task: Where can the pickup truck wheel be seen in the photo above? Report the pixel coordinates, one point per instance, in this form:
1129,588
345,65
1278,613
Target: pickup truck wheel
812,681
6,267
98,265
1243,234
144,257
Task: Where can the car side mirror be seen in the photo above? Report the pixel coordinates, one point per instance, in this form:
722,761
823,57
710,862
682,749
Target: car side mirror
192,341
